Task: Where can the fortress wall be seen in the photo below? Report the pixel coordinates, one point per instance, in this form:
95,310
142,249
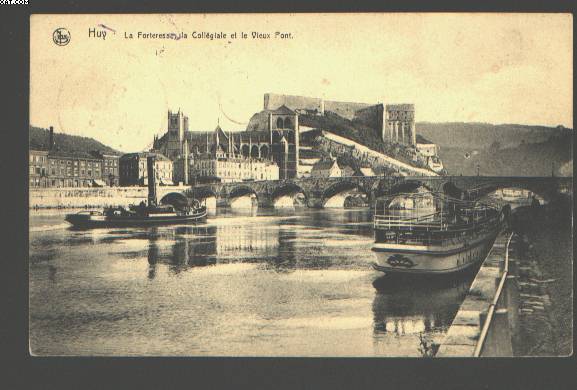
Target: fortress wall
345,109
273,101
372,116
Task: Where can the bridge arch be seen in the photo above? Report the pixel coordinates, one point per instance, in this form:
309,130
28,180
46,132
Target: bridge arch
409,186
342,188
288,189
242,191
539,190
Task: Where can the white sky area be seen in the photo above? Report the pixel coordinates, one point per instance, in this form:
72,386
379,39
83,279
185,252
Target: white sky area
495,68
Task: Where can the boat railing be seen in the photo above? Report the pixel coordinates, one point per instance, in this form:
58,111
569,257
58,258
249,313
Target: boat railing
432,221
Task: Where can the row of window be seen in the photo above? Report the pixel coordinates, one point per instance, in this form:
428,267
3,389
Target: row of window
42,159
68,171
35,158
44,183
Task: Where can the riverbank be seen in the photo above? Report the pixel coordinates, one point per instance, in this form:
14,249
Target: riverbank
75,198
533,314
545,245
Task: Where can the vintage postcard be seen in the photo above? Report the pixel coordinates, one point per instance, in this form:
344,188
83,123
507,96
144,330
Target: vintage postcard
307,185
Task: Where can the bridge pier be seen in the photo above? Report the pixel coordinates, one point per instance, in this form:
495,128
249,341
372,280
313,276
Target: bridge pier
315,203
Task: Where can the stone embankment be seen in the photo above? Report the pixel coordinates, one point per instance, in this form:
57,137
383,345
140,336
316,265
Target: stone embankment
45,198
493,297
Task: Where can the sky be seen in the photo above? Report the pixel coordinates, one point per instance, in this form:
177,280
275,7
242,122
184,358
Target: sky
494,68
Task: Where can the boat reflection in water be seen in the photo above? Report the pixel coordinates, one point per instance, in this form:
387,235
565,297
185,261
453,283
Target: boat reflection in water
428,306
192,247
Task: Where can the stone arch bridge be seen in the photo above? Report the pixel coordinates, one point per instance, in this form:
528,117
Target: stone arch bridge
318,191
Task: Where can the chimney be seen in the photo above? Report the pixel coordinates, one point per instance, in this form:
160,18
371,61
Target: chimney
151,180
51,139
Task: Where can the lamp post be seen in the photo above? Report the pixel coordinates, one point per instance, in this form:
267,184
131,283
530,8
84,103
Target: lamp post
478,167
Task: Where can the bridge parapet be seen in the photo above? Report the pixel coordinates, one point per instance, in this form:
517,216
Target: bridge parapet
316,190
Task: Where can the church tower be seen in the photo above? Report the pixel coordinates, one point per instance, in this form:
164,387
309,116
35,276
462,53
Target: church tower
177,125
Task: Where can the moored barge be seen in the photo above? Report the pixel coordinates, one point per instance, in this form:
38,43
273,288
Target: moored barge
435,235
178,210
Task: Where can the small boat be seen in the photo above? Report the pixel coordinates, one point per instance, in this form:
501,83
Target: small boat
449,237
178,210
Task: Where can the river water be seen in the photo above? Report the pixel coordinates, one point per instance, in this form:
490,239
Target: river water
245,283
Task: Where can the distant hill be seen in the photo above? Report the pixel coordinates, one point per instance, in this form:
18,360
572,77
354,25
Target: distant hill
482,135
38,140
501,150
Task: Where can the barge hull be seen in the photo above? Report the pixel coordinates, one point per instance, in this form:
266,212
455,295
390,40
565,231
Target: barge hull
82,221
409,261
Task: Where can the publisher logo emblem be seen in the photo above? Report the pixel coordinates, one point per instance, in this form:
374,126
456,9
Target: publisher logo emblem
61,36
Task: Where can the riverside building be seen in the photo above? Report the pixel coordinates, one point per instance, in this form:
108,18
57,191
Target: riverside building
55,168
133,170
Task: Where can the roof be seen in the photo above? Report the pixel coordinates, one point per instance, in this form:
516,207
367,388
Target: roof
348,171
38,151
66,154
367,171
159,156
324,165
283,110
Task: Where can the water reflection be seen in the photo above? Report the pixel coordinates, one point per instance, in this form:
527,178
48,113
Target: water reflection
273,240
404,307
274,282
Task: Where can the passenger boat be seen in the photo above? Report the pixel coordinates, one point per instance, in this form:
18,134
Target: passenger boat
177,210
437,235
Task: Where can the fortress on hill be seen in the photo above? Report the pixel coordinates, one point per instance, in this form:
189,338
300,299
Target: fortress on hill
273,134
392,122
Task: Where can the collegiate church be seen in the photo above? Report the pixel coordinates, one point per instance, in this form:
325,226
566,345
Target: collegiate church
276,140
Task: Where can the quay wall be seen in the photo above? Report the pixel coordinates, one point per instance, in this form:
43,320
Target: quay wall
463,335
47,198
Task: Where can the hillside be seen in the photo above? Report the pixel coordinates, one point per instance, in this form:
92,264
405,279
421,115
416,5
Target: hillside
38,139
501,150
482,135
363,135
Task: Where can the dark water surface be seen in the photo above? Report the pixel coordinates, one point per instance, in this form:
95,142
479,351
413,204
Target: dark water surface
252,283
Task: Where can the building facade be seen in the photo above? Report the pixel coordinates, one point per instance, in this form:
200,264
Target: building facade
133,170
326,168
72,170
110,168
58,168
38,168
429,151
400,124
233,169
